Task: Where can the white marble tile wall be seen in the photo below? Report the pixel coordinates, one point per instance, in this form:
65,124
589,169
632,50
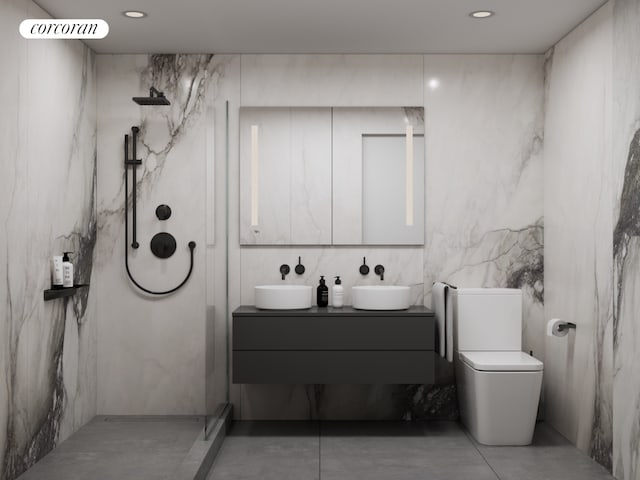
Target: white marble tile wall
48,160
331,80
155,353
578,240
403,266
484,213
626,239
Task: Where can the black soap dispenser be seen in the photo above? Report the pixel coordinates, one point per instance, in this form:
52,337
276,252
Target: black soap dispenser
323,293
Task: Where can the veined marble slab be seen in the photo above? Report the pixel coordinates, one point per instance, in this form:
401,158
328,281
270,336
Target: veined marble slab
578,240
48,152
626,236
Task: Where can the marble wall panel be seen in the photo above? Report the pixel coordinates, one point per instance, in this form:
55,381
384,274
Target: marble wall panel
154,354
578,241
484,214
626,239
331,80
48,151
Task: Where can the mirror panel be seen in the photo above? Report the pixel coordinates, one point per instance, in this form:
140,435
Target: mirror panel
332,176
285,176
392,214
350,128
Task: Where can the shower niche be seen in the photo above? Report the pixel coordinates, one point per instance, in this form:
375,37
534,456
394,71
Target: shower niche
332,176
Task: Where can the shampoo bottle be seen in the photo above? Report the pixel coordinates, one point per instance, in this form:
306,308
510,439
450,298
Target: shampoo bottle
56,272
67,271
337,293
323,293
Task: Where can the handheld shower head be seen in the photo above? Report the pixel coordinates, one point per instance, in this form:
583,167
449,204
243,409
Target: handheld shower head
155,98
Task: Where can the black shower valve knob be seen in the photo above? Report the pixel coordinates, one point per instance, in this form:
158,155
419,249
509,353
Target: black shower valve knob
163,245
163,212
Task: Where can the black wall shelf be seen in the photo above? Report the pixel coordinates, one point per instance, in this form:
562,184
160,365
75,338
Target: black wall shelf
62,292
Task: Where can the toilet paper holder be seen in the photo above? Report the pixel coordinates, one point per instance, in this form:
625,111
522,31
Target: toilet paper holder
566,326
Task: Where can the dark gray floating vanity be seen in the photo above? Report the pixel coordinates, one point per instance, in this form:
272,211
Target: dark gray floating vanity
333,345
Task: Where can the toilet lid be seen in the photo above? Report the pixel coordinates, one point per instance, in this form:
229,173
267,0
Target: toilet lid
501,361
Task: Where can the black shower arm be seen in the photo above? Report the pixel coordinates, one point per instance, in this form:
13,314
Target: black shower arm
154,92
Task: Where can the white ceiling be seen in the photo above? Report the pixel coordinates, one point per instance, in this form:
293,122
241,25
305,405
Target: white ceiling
328,26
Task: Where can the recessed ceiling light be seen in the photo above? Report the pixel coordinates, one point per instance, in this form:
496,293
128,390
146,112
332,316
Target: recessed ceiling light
482,14
134,14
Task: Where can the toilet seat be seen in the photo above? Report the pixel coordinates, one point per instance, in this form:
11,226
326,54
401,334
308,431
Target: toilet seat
501,361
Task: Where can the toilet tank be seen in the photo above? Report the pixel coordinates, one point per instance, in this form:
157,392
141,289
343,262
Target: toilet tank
487,319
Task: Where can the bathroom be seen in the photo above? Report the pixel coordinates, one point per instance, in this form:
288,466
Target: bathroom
530,182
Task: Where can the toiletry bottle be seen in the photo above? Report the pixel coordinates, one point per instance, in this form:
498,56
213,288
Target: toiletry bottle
67,271
337,293
323,293
56,272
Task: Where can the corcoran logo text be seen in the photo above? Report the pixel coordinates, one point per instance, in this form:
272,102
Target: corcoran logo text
65,29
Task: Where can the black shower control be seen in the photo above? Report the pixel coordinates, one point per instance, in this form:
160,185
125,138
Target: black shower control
163,212
379,271
299,267
163,245
364,268
284,270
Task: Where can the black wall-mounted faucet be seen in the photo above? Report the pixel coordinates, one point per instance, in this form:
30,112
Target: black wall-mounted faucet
364,268
284,270
299,267
379,271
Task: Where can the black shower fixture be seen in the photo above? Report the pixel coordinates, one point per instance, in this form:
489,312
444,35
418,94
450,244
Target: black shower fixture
379,271
284,270
163,245
300,267
163,212
155,97
364,268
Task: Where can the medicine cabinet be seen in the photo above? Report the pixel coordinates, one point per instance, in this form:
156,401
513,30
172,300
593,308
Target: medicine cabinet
332,176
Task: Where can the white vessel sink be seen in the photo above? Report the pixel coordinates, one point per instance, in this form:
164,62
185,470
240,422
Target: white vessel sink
283,297
381,297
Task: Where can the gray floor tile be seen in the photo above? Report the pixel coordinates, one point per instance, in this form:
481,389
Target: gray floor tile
144,449
385,450
392,450
550,457
269,451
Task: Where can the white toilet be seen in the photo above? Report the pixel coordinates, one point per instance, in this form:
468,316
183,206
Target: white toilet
498,384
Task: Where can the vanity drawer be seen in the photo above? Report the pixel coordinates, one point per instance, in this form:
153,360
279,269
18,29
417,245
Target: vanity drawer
317,332
322,367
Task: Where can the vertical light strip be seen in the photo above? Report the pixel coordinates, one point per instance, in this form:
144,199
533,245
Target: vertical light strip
211,177
409,175
254,175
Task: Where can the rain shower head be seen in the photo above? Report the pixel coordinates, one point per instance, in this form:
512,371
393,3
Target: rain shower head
155,98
